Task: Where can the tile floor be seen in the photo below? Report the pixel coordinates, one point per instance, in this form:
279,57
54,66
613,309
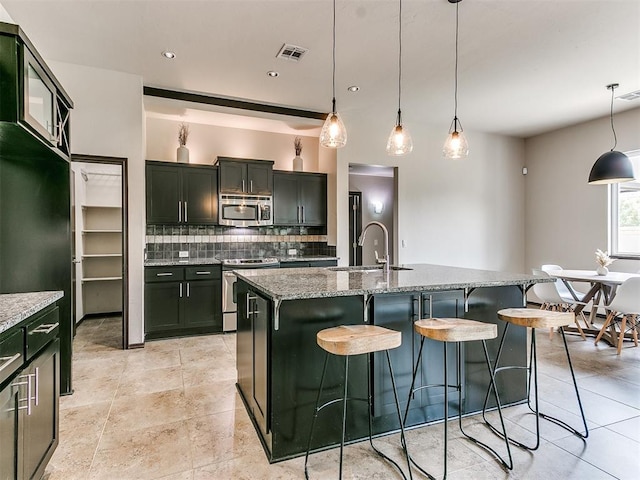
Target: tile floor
171,411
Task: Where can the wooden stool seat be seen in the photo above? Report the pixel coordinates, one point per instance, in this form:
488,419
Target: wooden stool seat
455,329
357,339
534,318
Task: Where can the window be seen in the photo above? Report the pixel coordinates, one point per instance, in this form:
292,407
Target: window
624,228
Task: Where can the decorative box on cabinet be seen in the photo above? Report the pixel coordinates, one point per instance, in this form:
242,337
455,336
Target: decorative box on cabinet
181,194
182,300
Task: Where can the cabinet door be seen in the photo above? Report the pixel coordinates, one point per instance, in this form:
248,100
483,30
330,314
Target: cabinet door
233,177
312,192
244,341
260,178
200,307
285,199
163,194
162,306
260,327
8,433
41,427
200,195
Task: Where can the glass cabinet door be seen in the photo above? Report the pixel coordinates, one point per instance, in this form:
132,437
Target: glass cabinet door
39,101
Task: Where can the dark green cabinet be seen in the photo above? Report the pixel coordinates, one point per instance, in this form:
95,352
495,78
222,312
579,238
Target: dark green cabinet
240,176
299,199
181,194
311,263
182,300
29,398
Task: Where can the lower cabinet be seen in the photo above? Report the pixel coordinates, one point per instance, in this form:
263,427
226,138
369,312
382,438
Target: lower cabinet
29,412
182,300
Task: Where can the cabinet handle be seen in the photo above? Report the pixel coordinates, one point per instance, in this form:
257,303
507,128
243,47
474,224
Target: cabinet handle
185,211
188,289
301,213
243,184
203,273
250,186
6,361
45,328
249,299
164,274
27,407
180,289
298,213
179,211
36,377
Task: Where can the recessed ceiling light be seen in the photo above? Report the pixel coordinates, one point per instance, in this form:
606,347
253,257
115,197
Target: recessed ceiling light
272,73
353,88
168,54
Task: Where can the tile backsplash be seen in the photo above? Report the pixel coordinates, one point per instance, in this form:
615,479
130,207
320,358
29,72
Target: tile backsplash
164,242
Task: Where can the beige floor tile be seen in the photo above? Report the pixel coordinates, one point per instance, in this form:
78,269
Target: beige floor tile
91,391
213,371
141,360
629,428
210,398
141,454
135,382
191,356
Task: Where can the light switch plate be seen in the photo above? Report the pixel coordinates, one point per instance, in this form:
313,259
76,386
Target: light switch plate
183,254
292,251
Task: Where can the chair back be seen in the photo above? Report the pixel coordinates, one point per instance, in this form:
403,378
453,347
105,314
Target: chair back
560,285
546,291
627,299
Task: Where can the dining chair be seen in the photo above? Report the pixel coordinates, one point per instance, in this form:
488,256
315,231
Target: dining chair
552,300
566,290
624,308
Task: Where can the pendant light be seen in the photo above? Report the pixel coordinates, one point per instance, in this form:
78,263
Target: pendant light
456,145
612,166
333,134
399,142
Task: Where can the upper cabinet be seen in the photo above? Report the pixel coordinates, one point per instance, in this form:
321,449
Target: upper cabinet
181,194
300,199
245,177
30,95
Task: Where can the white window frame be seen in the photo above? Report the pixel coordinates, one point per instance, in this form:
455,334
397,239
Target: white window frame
614,194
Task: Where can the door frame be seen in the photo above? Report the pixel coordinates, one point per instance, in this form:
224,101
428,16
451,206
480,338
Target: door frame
122,162
355,227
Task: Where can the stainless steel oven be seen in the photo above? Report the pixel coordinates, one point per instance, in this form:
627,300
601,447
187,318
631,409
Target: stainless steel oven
229,305
245,210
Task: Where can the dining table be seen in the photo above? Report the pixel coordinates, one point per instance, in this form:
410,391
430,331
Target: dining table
601,292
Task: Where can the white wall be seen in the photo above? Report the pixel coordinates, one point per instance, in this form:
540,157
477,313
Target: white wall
466,213
566,218
108,120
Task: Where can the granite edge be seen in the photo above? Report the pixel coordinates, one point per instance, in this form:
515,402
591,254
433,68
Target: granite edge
36,301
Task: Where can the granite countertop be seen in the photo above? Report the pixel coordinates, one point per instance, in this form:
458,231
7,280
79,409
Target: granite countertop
15,307
184,262
308,258
315,282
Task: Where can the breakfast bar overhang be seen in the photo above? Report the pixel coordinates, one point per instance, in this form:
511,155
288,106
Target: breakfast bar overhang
279,363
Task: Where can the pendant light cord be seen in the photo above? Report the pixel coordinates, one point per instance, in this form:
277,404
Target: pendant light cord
455,81
615,138
399,61
334,57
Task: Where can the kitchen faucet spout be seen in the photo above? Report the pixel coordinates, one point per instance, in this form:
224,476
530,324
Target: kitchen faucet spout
385,260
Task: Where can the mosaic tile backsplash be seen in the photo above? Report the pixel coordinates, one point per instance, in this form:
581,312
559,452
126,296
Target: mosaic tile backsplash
164,242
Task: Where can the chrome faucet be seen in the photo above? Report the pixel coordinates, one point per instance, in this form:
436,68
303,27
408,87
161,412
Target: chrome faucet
384,260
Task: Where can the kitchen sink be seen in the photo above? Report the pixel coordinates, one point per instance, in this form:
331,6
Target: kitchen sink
366,268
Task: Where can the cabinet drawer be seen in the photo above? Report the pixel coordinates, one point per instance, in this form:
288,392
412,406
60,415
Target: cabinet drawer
203,272
163,274
11,357
41,331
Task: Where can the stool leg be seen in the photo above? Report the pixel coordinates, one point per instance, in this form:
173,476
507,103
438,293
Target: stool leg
344,409
446,408
509,465
315,415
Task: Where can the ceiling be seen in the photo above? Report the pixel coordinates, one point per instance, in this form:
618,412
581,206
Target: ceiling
525,66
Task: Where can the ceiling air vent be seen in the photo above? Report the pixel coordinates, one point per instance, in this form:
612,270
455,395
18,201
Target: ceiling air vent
291,52
630,96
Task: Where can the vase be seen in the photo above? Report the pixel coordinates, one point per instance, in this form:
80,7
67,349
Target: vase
602,270
183,154
297,163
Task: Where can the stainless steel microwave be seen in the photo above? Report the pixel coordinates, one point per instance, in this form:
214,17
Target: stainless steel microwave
245,210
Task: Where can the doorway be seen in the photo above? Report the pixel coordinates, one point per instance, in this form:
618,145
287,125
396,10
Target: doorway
372,197
99,209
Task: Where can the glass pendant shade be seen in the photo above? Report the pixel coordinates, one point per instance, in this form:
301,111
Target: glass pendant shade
333,134
400,142
455,146
611,167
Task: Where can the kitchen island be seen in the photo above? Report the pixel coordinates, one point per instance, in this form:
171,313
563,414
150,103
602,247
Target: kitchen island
279,363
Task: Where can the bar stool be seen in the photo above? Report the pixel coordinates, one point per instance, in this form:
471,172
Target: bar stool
456,330
346,341
534,318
